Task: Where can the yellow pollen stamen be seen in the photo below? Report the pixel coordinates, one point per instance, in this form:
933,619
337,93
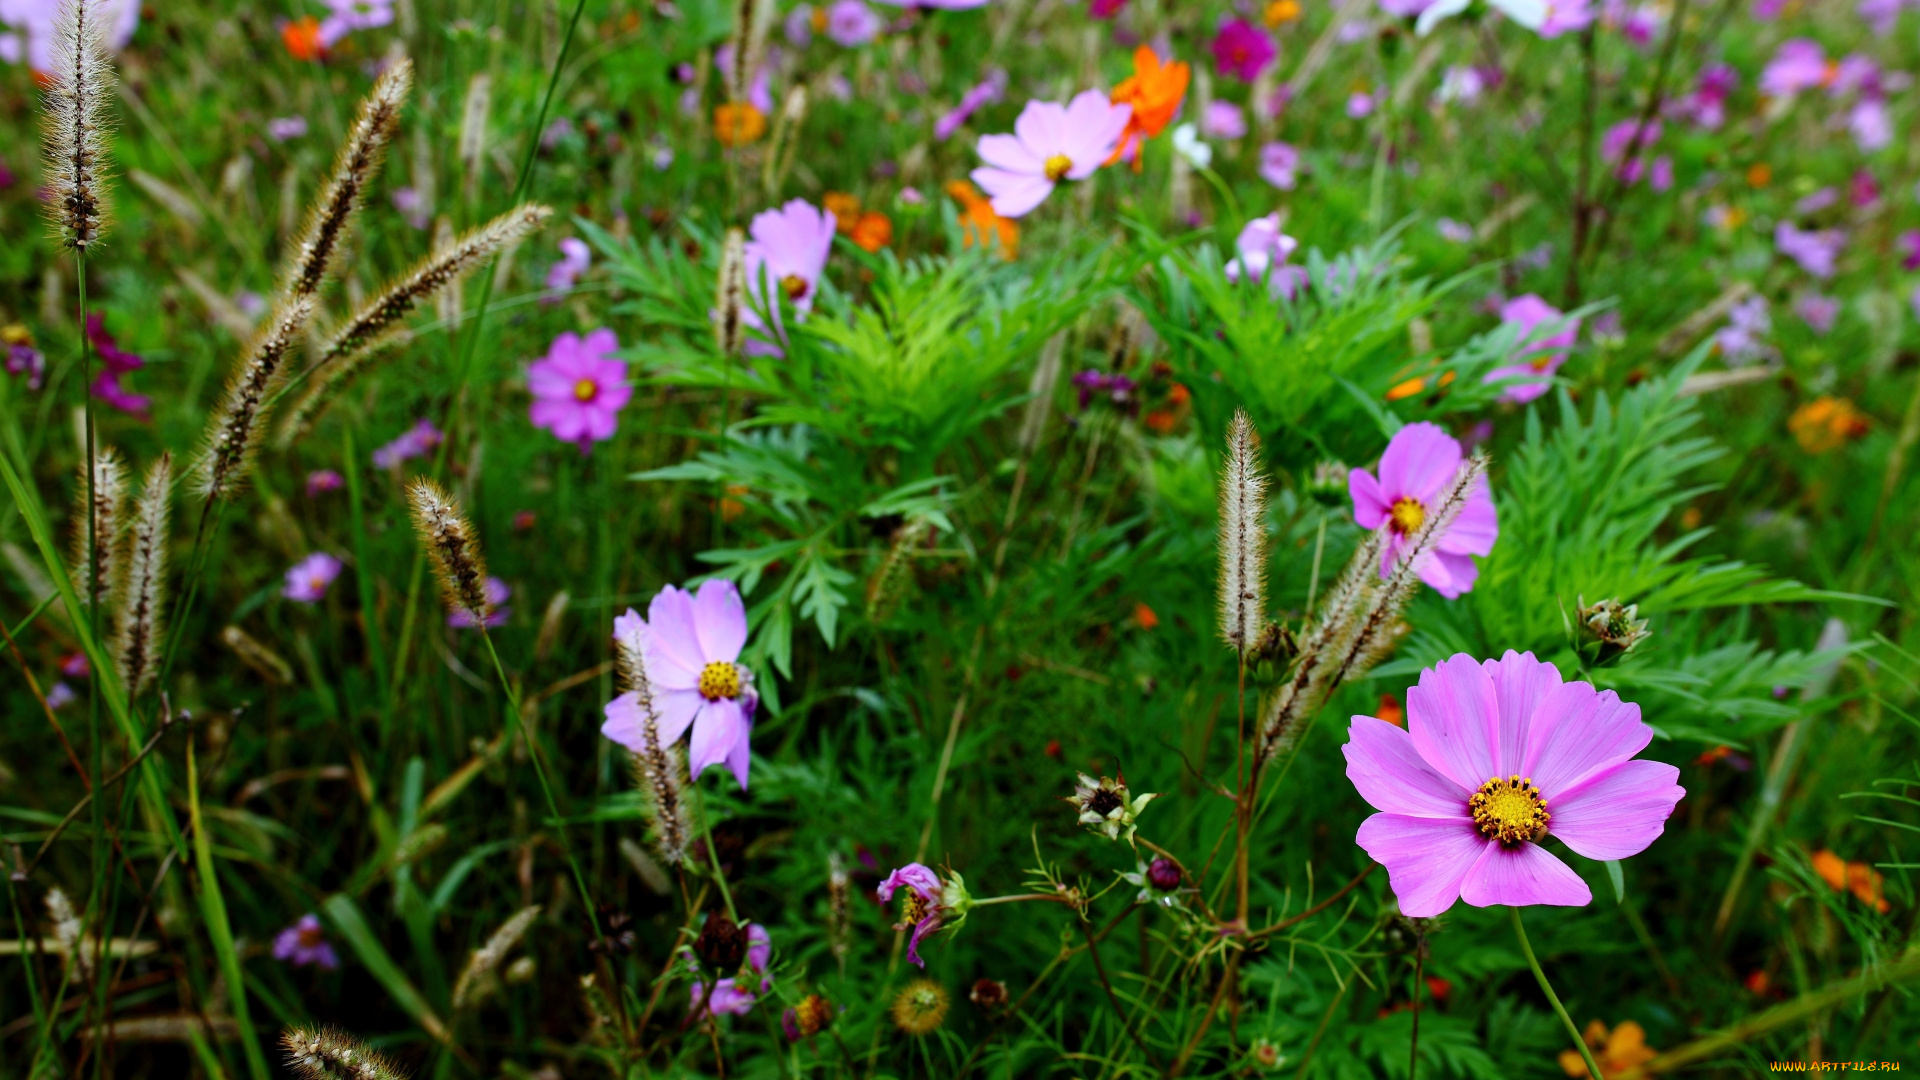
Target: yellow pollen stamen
1057,167
1510,810
913,910
585,390
795,286
719,680
1540,363
1407,515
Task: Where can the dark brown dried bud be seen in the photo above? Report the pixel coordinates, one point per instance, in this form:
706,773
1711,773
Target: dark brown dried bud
722,942
988,994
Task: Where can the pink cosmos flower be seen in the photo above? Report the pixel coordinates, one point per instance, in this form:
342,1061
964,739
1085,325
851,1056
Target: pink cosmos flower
308,580
1360,105
1708,105
1883,14
1262,249
351,15
497,593
305,943
1223,120
851,23
1567,16
728,999
1280,165
786,251
1420,462
36,23
1105,9
1816,250
692,643
1872,129
1799,64
1240,49
580,388
1909,244
1743,339
417,441
412,206
931,905
282,128
575,260
1051,142
1495,757
321,481
1529,313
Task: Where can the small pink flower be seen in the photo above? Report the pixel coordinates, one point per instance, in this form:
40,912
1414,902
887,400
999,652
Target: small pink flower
1105,9
1420,462
1799,64
728,999
786,254
61,696
1816,250
942,5
1051,142
925,912
305,943
1262,250
417,441
1240,49
1567,16
351,15
1495,757
580,388
1223,120
851,23
307,581
281,129
692,644
1535,375
1280,165
575,260
321,481
497,593
1818,312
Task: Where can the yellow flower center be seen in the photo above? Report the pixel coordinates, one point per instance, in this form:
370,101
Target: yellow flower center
1057,166
795,286
1407,515
1539,363
913,910
1510,810
585,390
719,680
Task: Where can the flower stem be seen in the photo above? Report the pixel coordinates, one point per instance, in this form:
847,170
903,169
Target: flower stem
713,853
1533,962
1015,898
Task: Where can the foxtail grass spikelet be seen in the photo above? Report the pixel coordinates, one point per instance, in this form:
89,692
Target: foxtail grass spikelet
885,588
449,539
354,168
839,910
143,591
659,771
74,125
1243,536
477,977
354,345
270,665
731,303
69,934
331,1054
95,552
237,425
746,14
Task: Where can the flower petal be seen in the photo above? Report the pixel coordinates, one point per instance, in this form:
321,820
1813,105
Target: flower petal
720,620
1014,194
1520,684
740,758
1370,505
1476,528
1040,128
1521,875
1618,812
1390,774
676,709
674,634
715,730
1007,152
1419,461
625,721
1452,716
1578,731
1426,858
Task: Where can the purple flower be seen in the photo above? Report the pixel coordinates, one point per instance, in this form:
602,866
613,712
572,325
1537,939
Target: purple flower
1628,138
1872,129
38,23
305,943
1223,120
941,5
1708,105
1458,232
1360,105
1051,142
1240,49
1660,177
1461,84
985,93
24,359
1117,388
115,363
75,666
1815,201
351,15
575,260
497,593
1818,312
1459,822
1280,165
321,481
1105,9
1863,190
1262,249
728,999
308,580
1883,14
411,206
852,23
1816,250
1529,313
1909,244
1419,463
1914,301
283,128
1743,338
60,696
579,388
1856,74
1768,10
1405,9
929,904
556,132
692,644
417,441
786,256
799,26
1799,64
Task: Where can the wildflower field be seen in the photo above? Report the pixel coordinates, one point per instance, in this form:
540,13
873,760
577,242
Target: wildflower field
959,538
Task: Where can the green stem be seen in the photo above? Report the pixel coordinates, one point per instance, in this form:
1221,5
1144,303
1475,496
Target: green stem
713,854
1526,947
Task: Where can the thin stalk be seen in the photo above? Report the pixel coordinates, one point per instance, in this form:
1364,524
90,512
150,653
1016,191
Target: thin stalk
1413,1043
1319,548
1526,947
1325,1019
713,853
96,754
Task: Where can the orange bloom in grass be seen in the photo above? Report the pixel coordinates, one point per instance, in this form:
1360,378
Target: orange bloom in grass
1825,423
737,124
873,230
1143,616
1391,711
1616,1052
979,224
845,209
1759,175
302,38
1862,880
1155,91
1281,11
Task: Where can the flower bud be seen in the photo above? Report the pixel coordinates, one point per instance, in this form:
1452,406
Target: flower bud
1607,630
988,994
1105,806
1327,484
722,942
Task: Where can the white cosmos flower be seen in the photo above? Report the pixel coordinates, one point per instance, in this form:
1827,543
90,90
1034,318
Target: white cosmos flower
1531,14
1186,143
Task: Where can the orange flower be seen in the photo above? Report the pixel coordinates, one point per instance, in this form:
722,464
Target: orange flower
873,231
1160,421
979,224
1825,423
1831,868
738,124
1865,883
1281,11
1180,395
1144,617
1616,1052
1392,711
1759,175
845,209
302,38
1155,92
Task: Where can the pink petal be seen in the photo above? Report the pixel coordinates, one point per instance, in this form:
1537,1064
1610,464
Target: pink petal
1452,716
1040,129
601,342
1007,152
718,727
1579,731
740,758
1520,684
676,710
1419,461
1619,812
1426,858
720,619
1014,194
1370,505
1390,774
625,722
1445,575
1477,527
1523,874
671,617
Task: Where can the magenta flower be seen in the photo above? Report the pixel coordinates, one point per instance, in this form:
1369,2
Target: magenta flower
497,593
575,260
1496,756
1708,105
1420,462
580,388
1799,64
728,999
1567,16
1743,339
305,943
1626,137
417,441
985,93
1051,142
24,359
1241,50
938,5
931,905
1872,129
351,15
115,363
282,128
786,251
1105,9
692,643
307,581
851,23
1530,313
1816,250
412,206
1818,312
1223,120
321,481
1280,165
1909,244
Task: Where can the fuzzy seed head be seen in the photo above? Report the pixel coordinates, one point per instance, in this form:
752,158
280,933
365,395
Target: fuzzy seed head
731,302
353,172
1243,536
331,1054
234,435
143,592
920,1007
95,551
477,977
449,540
74,125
